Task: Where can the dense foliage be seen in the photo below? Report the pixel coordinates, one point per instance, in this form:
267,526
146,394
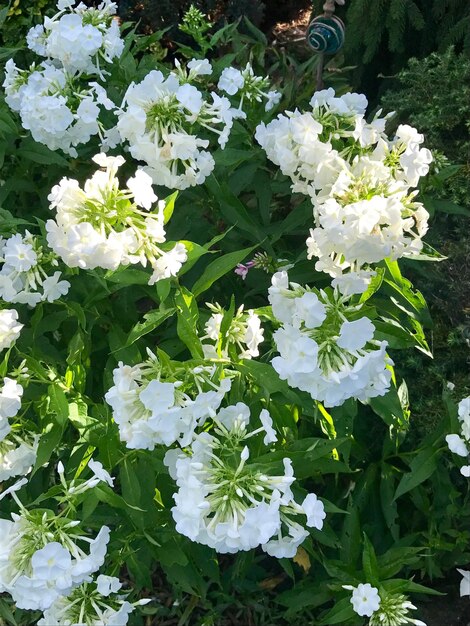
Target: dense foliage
202,304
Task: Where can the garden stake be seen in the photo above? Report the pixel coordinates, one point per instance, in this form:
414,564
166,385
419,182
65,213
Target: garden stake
325,35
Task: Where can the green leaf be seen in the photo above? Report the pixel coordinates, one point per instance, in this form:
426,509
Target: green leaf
375,284
38,153
77,311
389,408
421,468
169,207
395,559
226,322
127,276
131,490
6,612
402,293
218,268
268,379
4,14
400,585
388,505
49,442
339,614
195,252
52,434
428,253
186,327
369,562
153,319
232,157
78,415
58,404
351,536
257,34
234,210
444,206
299,216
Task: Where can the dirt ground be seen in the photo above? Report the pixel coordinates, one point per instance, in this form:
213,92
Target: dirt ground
448,610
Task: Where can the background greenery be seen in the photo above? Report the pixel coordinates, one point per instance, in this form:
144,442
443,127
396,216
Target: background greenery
383,503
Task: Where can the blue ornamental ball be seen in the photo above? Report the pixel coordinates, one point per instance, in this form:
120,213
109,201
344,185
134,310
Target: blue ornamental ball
326,34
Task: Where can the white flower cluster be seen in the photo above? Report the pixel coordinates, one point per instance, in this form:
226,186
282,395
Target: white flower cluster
56,102
322,351
54,105
24,273
41,558
17,453
244,334
249,86
153,405
79,38
166,121
104,226
224,502
383,608
44,556
94,603
460,444
360,183
9,327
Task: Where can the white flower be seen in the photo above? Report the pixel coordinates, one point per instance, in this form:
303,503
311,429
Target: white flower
354,335
200,67
464,583
169,263
36,40
18,254
309,310
365,599
141,187
244,333
320,98
274,98
234,417
51,562
267,422
9,327
190,97
457,445
314,510
15,487
464,417
10,398
107,585
17,456
65,4
158,396
321,351
253,336
231,81
285,546
53,288
100,473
